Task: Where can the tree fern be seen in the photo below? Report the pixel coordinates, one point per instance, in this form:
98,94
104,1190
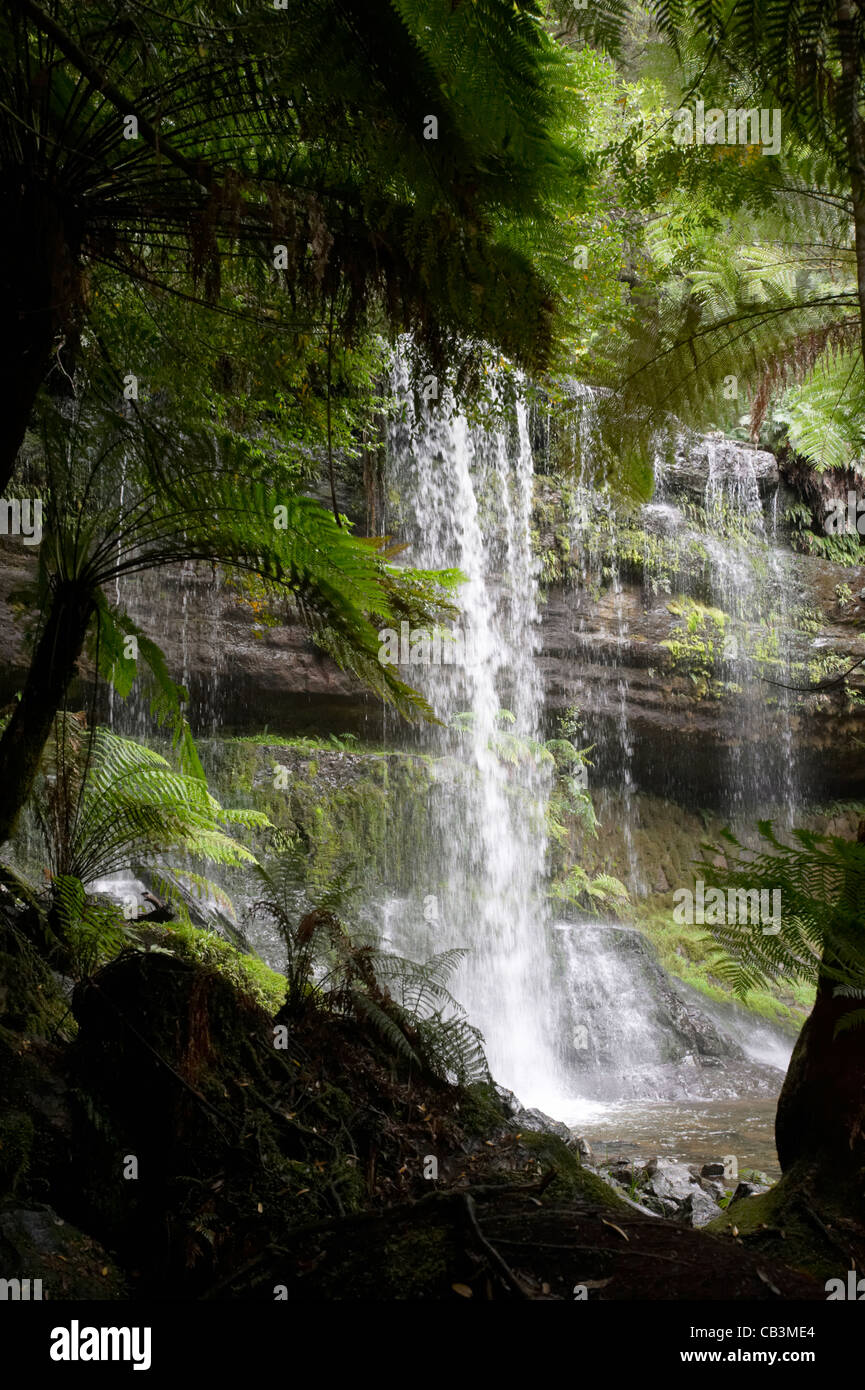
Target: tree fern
821,881
407,1001
106,803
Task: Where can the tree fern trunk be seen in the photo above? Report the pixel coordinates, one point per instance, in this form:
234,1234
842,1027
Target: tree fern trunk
854,135
51,670
821,1108
39,298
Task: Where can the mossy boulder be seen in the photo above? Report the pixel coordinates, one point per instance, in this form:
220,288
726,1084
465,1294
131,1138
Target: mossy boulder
37,1244
806,1220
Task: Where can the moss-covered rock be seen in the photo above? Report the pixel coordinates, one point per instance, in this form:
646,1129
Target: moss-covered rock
36,1244
806,1220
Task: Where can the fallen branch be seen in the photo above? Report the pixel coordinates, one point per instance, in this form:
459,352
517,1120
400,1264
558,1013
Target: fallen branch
490,1251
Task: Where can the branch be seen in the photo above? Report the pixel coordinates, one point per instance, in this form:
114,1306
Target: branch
826,684
195,170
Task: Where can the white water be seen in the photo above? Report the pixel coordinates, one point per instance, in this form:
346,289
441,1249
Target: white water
466,499
532,986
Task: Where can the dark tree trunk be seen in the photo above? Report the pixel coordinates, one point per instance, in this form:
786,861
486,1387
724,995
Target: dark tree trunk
51,670
821,1108
854,136
40,297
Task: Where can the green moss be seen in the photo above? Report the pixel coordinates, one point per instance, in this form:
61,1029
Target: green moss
480,1109
689,954
30,1000
249,974
354,815
785,1223
572,1179
16,1142
417,1263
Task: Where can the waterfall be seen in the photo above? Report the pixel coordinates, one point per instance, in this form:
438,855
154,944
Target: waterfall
465,502
573,1013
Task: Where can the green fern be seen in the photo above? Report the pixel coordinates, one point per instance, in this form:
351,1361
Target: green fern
105,803
821,881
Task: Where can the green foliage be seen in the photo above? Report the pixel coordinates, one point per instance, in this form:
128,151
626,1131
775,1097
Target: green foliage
697,650
247,973
744,310
92,931
106,802
406,1001
213,510
579,890
821,881
329,160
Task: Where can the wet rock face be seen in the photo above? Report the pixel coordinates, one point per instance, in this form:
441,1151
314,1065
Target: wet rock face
240,674
607,657
602,648
639,1033
725,464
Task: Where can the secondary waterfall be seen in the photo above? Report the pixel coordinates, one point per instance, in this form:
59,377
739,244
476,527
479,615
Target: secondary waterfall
466,499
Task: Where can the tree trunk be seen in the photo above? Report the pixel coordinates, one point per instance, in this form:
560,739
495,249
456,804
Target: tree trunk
854,135
821,1108
51,670
40,295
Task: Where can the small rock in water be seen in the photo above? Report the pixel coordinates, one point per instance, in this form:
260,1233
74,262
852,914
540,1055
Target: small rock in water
716,1190
712,1170
511,1102
582,1147
667,1179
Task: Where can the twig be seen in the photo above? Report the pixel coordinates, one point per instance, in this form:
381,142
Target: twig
823,1228
612,1251
490,1251
821,685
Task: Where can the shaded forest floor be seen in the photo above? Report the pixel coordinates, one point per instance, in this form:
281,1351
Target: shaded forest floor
155,1143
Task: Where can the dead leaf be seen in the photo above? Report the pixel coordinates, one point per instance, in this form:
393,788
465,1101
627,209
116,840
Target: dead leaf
463,1290
615,1228
768,1282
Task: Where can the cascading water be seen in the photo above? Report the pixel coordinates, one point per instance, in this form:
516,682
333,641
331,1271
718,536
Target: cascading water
751,581
466,498
574,1014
